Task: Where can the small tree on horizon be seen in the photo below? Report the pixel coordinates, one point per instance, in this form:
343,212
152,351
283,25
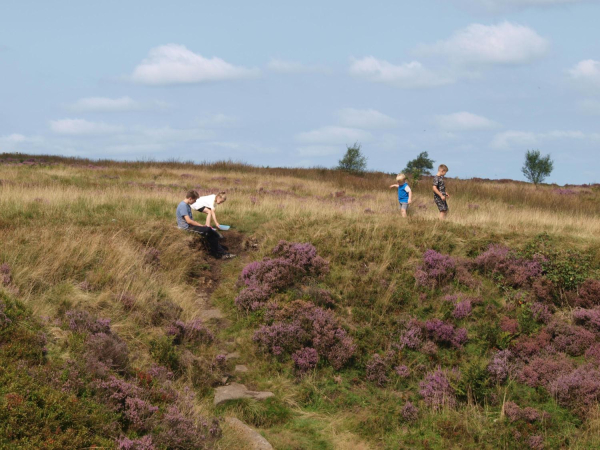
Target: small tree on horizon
354,161
419,166
537,167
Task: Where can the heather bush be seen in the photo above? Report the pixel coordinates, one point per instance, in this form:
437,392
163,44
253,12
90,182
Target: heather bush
509,325
589,318
5,275
515,413
410,412
402,371
541,312
82,321
526,346
504,265
152,256
302,324
571,339
377,369
462,309
543,290
445,333
588,294
542,370
501,366
412,337
139,414
305,359
536,442
437,391
178,431
115,392
593,353
579,389
436,270
262,278
143,443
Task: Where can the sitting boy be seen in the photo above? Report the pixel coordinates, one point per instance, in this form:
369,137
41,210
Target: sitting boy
186,222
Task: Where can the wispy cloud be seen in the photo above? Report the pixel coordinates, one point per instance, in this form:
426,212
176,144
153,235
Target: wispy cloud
175,64
506,43
407,76
121,104
283,66
365,118
464,121
82,127
498,6
526,139
586,74
333,135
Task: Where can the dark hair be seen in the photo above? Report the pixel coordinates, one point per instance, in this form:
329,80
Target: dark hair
192,194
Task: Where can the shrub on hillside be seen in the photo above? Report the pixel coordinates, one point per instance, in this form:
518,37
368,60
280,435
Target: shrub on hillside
589,318
193,332
377,369
579,389
436,270
514,413
143,443
82,321
462,309
588,294
412,337
444,333
501,366
410,412
571,339
106,352
502,263
542,370
436,390
302,324
261,279
305,359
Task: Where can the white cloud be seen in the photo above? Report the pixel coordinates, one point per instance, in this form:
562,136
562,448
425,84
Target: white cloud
525,139
175,64
505,43
80,127
320,150
365,118
104,104
333,135
216,121
589,106
282,66
408,76
464,121
586,74
171,135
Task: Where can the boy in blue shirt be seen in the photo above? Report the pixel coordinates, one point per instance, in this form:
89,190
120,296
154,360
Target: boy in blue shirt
404,193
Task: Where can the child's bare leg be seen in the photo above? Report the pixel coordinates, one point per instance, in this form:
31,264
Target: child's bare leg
403,212
443,215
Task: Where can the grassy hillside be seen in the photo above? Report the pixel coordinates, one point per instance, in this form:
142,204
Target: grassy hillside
479,332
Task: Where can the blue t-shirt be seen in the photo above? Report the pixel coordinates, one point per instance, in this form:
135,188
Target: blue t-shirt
183,209
403,193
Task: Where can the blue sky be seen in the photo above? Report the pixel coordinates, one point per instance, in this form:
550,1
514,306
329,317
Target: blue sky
473,82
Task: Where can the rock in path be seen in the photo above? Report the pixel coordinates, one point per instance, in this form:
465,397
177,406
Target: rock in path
232,355
236,391
254,439
241,368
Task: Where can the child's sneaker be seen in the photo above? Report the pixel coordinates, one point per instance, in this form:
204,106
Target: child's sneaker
228,256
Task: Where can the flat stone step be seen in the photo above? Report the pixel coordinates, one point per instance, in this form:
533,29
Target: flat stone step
241,368
232,355
236,391
254,439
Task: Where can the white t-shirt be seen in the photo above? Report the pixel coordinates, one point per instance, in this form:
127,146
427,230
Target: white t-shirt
208,201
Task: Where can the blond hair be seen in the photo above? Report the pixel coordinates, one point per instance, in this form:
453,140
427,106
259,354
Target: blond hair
401,177
443,167
221,196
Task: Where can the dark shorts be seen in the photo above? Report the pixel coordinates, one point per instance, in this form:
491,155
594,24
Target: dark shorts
403,205
202,209
441,204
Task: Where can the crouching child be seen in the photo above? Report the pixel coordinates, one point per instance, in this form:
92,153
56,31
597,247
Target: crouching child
186,222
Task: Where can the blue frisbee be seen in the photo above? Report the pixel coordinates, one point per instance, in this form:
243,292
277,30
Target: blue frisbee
224,227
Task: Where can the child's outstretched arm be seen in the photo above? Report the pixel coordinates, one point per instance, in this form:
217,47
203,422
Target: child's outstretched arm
395,186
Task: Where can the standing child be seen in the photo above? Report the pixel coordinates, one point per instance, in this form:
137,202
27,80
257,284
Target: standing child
404,193
207,205
439,191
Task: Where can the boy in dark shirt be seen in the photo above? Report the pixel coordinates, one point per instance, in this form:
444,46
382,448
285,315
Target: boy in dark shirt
185,222
439,191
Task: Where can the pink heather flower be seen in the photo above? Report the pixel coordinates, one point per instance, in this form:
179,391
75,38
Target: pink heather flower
377,369
437,391
410,412
305,359
436,270
462,309
402,371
